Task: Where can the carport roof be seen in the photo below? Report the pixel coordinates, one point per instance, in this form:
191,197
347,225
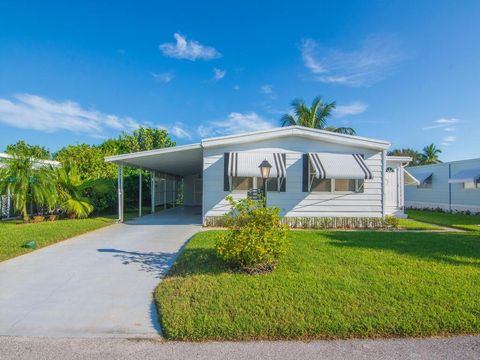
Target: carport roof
179,160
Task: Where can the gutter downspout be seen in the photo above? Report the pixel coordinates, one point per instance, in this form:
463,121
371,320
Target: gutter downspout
449,188
384,161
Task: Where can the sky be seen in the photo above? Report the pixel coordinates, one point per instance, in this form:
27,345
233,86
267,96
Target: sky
79,72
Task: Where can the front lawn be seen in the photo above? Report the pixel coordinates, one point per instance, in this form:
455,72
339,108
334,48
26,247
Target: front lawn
458,221
329,285
13,234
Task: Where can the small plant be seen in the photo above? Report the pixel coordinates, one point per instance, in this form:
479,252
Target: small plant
256,238
392,222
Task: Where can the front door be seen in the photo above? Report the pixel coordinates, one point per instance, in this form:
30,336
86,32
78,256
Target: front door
391,187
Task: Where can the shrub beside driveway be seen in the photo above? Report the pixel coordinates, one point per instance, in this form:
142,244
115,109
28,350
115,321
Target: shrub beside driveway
329,285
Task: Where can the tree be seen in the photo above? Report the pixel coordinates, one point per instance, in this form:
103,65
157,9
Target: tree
430,155
21,148
27,182
315,116
141,140
69,188
414,154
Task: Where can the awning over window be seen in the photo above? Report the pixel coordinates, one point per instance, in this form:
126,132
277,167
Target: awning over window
465,176
247,164
409,179
339,166
422,177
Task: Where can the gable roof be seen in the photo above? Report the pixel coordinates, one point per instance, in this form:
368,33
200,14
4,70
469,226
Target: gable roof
299,131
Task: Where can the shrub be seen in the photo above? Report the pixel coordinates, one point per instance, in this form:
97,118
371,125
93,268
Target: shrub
256,238
392,221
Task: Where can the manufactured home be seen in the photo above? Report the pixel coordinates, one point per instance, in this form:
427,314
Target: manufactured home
450,186
313,174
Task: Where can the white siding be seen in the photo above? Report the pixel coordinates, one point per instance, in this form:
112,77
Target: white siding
442,194
294,202
191,195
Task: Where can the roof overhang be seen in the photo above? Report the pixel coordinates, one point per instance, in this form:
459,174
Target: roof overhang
399,159
179,160
299,131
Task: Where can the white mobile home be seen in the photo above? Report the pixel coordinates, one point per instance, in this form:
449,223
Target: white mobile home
314,173
451,186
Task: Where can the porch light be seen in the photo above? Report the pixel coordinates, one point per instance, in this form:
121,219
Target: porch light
265,168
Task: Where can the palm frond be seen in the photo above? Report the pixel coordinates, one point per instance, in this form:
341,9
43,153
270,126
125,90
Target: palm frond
288,120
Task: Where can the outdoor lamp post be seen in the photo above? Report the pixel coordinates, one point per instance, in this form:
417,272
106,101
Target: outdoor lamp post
265,168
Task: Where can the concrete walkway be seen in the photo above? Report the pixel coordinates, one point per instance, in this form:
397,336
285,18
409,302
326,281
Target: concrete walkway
95,284
455,348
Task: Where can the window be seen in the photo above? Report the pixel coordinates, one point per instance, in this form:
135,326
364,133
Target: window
472,185
241,183
344,185
321,185
248,183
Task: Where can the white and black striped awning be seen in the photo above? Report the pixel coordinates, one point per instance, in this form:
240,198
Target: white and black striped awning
247,164
339,166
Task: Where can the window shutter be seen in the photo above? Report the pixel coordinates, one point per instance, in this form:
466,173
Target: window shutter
305,173
283,187
226,182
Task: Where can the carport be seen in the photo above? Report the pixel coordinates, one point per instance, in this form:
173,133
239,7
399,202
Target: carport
168,167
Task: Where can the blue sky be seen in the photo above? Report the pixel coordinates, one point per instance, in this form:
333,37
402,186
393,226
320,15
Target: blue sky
403,71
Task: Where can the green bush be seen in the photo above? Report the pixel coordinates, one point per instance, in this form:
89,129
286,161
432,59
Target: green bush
392,221
256,238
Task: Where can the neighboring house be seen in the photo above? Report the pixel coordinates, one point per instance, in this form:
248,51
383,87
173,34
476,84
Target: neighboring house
451,186
6,206
315,173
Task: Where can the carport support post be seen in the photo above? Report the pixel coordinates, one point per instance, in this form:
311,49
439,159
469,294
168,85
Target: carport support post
120,192
140,194
152,190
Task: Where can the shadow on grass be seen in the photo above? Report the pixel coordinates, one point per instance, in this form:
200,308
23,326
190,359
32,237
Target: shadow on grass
456,249
199,261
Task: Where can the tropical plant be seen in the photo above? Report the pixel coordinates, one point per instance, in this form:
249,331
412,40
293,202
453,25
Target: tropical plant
313,116
256,238
27,181
430,155
414,154
69,188
21,148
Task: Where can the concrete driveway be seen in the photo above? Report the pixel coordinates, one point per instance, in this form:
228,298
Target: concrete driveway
98,283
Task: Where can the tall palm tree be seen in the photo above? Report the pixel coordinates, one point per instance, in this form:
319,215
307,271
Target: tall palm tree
70,187
430,155
313,116
26,181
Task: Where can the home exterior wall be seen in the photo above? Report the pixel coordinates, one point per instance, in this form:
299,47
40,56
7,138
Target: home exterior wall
191,197
294,202
442,194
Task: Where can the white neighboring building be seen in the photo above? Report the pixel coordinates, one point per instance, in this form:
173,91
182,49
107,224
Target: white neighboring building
451,186
315,173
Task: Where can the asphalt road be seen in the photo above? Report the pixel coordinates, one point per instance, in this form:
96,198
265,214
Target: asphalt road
458,348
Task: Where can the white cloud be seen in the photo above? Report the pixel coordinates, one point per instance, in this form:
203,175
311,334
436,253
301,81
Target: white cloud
34,112
448,140
178,131
369,64
267,89
235,123
165,77
442,123
219,74
188,49
354,108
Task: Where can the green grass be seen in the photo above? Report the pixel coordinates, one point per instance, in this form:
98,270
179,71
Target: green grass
457,221
329,285
13,234
409,224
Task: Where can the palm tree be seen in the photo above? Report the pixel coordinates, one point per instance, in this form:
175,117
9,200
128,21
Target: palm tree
69,188
27,181
430,155
314,116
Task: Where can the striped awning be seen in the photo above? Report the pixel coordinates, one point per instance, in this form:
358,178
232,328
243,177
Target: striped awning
339,166
247,164
465,176
409,179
